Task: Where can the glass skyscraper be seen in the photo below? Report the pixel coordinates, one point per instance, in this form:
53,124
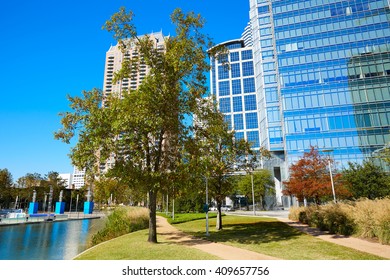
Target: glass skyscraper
321,74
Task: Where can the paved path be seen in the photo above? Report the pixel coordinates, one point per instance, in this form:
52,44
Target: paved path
222,251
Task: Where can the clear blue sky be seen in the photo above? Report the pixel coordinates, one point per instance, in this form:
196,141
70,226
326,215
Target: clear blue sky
53,48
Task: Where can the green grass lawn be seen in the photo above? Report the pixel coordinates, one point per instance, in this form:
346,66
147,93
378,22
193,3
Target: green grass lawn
263,235
271,237
134,246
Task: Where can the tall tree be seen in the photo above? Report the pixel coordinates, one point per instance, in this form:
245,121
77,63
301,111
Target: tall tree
143,130
310,178
366,180
218,155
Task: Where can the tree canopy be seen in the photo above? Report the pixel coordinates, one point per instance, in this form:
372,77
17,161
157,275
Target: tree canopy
366,180
143,132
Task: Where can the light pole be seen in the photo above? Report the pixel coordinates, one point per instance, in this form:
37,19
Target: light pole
331,175
253,195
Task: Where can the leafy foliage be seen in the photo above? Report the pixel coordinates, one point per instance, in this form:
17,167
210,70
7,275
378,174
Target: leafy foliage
366,180
310,178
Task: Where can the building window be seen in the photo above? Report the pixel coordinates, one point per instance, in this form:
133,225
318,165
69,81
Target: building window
250,102
235,56
263,9
246,55
249,85
269,79
273,114
275,135
271,94
235,70
253,138
269,66
224,88
222,58
267,54
224,105
266,43
264,20
236,86
239,135
237,104
247,68
238,122
251,120
265,31
223,72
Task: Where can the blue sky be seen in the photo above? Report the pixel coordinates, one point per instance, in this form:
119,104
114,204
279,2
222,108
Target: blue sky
53,48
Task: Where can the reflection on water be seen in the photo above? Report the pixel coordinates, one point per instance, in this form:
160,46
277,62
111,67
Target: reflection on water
47,241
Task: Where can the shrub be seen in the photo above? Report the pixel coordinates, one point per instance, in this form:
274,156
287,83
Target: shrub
295,213
121,221
364,218
372,218
337,220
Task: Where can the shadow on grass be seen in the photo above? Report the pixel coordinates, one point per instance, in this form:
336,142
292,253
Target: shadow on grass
254,233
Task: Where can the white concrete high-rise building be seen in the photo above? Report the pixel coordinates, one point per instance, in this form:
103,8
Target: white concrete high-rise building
67,178
78,180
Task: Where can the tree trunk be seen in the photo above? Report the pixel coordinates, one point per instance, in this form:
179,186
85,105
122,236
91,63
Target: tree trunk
152,217
219,216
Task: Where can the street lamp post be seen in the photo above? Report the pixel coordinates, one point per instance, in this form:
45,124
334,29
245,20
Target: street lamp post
331,181
331,176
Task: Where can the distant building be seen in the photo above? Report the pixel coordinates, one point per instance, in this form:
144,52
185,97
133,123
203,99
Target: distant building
78,180
67,178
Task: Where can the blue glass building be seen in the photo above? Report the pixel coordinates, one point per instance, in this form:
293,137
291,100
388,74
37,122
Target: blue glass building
321,75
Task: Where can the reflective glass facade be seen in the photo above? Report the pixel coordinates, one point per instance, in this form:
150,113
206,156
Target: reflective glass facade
234,87
321,78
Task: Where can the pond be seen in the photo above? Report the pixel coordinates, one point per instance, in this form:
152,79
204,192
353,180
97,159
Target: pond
47,241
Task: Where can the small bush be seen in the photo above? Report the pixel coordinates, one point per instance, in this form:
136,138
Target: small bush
336,220
121,221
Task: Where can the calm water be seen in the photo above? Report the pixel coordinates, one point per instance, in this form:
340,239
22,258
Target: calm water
47,241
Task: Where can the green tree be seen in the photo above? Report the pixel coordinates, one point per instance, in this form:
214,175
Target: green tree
5,178
366,180
150,120
107,188
5,187
263,183
217,155
310,179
